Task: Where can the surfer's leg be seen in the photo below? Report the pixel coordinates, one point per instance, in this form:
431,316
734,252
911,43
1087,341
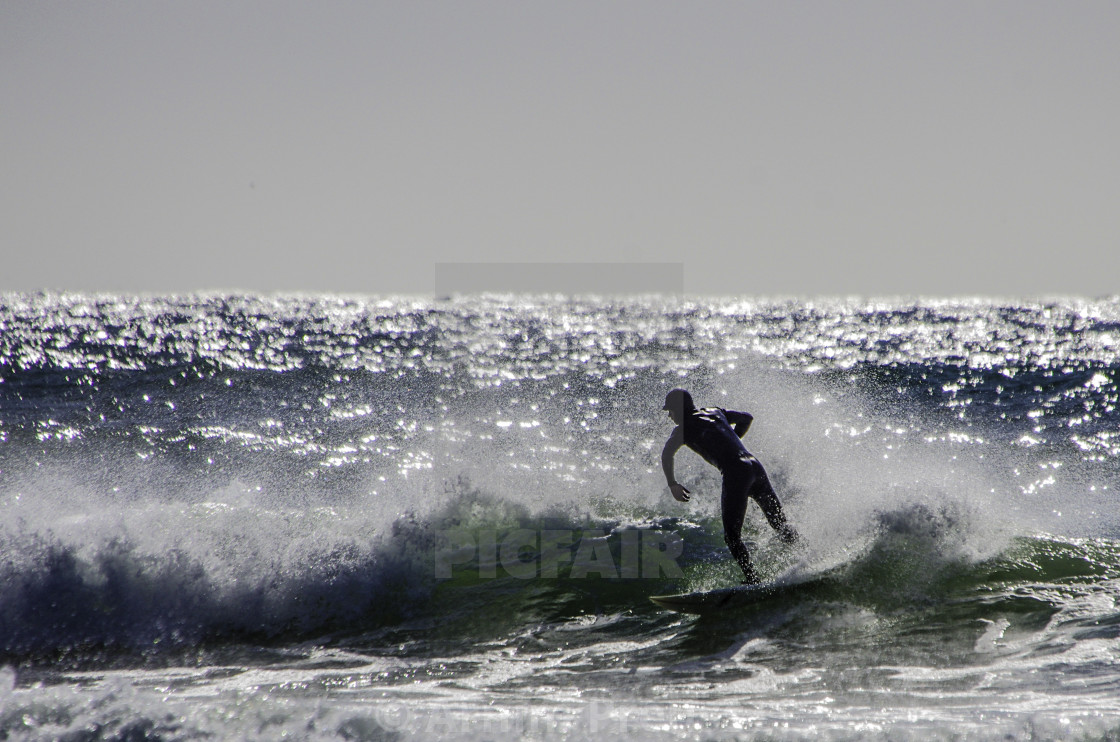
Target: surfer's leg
733,506
763,493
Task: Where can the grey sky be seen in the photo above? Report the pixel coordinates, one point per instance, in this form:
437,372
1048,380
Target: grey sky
772,148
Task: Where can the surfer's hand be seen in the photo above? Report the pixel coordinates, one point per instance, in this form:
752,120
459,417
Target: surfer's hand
680,492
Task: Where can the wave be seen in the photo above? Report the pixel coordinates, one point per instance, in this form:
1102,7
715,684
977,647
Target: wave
113,602
480,567
157,581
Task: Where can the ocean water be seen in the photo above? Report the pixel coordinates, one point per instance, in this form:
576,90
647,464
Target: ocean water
377,518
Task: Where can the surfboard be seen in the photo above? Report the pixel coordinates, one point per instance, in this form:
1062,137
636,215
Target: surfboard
729,598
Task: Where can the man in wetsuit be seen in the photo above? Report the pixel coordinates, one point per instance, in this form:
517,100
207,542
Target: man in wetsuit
715,434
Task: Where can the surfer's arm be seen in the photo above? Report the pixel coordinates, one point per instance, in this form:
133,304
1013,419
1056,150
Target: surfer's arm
676,440
741,421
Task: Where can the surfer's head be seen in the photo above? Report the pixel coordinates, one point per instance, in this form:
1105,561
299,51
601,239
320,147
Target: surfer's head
678,402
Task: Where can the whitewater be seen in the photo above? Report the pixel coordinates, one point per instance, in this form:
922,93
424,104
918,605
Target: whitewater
371,518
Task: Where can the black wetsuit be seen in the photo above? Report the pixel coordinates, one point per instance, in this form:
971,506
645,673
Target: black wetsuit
715,433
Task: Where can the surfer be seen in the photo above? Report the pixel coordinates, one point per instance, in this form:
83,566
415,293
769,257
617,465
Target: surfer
715,434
